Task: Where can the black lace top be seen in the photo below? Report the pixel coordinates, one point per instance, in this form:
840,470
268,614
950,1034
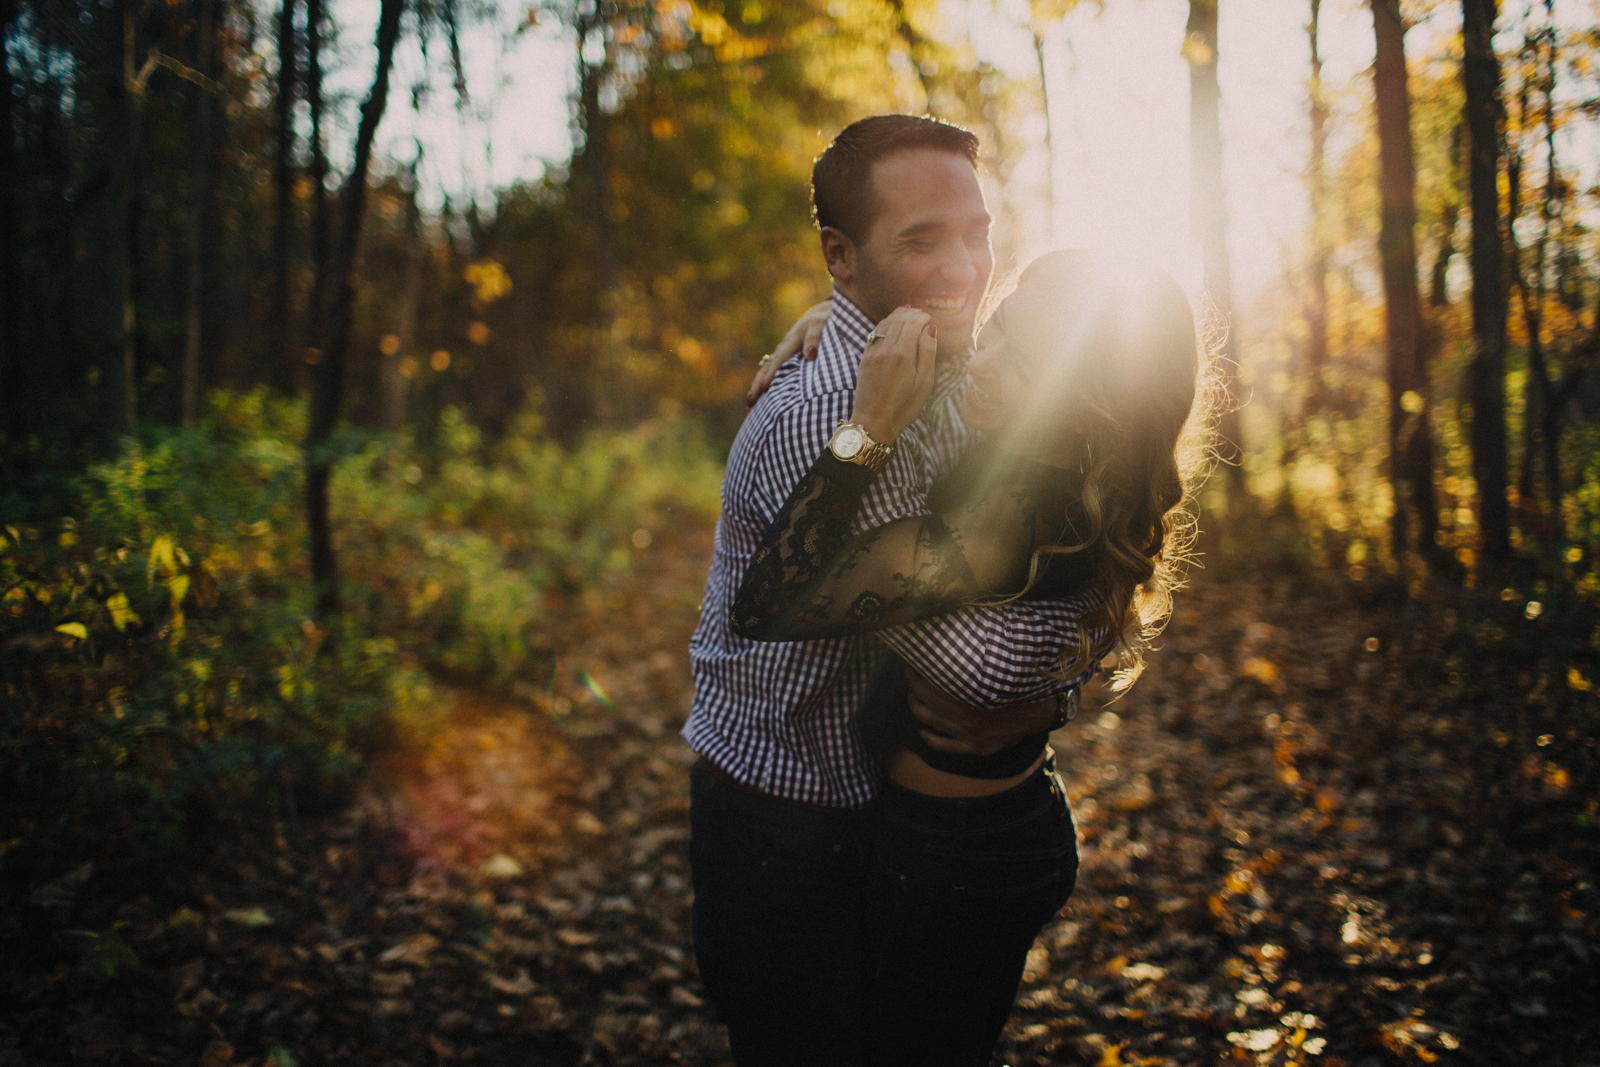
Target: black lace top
811,578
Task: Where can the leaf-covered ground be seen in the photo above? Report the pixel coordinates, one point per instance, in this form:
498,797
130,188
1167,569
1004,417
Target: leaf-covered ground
1317,831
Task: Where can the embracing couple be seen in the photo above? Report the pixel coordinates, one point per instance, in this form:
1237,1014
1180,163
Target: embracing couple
927,545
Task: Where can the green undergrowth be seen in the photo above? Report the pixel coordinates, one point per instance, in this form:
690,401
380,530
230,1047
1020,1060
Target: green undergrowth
162,668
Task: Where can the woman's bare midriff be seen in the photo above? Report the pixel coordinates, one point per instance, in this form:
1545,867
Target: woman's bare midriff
910,770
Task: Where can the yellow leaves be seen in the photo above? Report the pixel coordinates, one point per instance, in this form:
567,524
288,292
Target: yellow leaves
74,629
711,27
164,557
1576,680
1197,51
1254,1040
1412,1040
575,938
1283,756
1239,882
1043,14
248,916
121,615
502,866
488,279
1111,1057
1411,402
696,355
1261,669
1267,953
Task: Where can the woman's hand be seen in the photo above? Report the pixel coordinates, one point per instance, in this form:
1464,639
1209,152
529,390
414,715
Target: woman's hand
802,338
951,726
897,374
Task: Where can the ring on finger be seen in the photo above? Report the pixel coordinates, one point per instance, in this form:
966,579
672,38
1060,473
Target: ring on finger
876,336
764,360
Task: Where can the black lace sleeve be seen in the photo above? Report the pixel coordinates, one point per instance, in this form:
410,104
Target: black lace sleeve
811,578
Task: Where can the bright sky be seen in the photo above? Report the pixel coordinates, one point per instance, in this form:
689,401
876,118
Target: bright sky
1119,97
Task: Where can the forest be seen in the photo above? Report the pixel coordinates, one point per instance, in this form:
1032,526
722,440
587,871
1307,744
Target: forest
352,527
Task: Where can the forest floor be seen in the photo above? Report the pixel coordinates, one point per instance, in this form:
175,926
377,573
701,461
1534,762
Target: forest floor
1317,831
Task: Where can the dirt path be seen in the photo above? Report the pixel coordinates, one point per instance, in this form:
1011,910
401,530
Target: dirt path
1293,851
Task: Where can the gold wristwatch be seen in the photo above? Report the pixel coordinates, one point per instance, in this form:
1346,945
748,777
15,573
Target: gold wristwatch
851,444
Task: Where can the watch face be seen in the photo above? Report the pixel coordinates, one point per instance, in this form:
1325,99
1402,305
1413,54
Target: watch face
848,441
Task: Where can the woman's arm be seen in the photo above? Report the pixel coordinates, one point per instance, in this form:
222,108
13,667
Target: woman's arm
802,339
811,578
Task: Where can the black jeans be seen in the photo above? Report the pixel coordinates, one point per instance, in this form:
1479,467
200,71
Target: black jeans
779,892
817,953
958,891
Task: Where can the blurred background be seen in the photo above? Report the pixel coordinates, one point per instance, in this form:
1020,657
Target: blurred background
408,316
367,368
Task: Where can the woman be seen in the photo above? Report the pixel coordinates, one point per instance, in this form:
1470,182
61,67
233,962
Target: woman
1084,384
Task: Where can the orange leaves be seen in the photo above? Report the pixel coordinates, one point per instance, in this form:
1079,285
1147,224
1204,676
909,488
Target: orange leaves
1413,1040
489,281
1262,670
1283,756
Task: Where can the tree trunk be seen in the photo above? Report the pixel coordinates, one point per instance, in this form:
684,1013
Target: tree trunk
394,382
1308,401
1317,313
10,249
280,370
1049,144
327,382
1439,291
199,199
1540,433
1410,434
1549,424
597,156
1208,215
132,215
320,221
913,42
1480,75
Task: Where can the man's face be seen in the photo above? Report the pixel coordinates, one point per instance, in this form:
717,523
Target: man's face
928,244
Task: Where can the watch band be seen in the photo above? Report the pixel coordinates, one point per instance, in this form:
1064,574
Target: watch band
871,455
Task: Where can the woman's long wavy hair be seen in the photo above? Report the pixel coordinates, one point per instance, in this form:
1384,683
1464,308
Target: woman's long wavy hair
1138,387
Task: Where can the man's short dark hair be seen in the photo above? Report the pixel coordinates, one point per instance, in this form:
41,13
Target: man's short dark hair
841,193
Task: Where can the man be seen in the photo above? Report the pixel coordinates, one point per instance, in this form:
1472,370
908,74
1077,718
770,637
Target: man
778,798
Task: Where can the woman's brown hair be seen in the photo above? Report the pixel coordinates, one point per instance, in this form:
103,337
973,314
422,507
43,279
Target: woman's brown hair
1137,385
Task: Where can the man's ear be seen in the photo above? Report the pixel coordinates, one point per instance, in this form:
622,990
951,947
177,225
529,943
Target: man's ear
839,252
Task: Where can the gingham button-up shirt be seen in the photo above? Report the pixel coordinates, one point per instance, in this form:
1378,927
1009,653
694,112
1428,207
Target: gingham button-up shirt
777,715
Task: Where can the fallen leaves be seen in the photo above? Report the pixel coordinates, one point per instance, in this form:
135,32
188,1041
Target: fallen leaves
1293,851
248,916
